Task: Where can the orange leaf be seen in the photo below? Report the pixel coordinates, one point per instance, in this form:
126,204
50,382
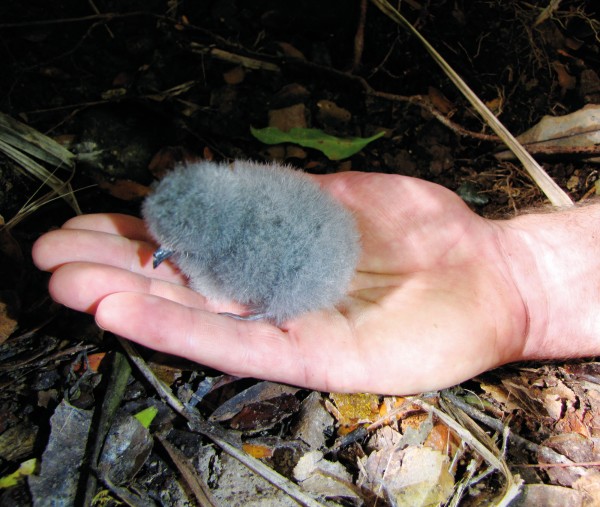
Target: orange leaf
257,451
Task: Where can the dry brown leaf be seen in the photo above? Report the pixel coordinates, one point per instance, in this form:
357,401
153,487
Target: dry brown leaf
125,190
526,395
499,394
290,117
259,407
414,421
415,476
323,477
574,133
557,399
352,410
583,371
234,75
92,362
574,446
289,50
590,486
592,414
8,324
565,80
330,114
442,439
167,373
384,438
258,451
261,416
168,157
574,422
313,422
440,101
546,495
573,182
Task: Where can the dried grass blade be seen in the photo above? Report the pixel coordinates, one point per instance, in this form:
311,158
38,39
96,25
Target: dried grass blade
512,485
20,143
548,186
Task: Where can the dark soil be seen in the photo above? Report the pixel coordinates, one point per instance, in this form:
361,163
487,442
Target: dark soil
137,86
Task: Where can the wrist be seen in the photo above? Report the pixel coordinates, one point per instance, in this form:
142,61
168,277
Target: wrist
554,260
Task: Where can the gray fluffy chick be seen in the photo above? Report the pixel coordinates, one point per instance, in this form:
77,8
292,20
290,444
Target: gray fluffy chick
263,235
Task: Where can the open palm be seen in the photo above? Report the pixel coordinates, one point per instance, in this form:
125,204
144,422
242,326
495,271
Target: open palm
433,302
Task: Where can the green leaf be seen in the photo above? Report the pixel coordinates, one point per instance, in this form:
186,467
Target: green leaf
334,148
26,468
146,416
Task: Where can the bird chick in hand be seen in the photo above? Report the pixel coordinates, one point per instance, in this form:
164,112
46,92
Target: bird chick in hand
264,235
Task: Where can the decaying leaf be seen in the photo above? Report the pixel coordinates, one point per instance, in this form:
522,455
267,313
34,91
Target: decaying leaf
590,486
589,372
323,477
125,190
127,446
577,133
63,457
352,410
281,454
313,422
8,324
18,441
258,451
537,495
259,407
169,157
415,476
565,80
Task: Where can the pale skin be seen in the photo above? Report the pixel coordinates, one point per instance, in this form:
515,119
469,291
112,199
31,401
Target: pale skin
440,295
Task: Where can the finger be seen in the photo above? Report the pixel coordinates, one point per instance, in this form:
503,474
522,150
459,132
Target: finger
82,286
111,223
63,246
242,348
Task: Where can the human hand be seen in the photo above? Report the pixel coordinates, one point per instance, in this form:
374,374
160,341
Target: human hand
433,302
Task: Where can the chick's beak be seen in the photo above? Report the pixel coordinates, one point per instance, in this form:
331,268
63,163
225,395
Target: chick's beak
160,255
